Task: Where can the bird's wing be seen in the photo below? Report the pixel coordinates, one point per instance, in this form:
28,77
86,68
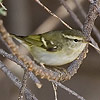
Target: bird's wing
29,40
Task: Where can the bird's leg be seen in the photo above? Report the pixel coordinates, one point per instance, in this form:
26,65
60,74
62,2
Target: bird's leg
42,64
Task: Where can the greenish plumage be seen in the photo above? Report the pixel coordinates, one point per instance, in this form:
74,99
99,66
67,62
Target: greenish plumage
55,48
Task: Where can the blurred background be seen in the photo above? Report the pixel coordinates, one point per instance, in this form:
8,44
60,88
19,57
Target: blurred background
27,17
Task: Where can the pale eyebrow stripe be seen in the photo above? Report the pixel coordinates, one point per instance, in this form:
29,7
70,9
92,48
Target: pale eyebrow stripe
72,37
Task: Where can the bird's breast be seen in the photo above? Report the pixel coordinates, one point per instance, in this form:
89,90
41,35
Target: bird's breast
57,58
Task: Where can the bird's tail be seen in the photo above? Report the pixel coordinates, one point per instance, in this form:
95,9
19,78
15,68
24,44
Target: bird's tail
20,39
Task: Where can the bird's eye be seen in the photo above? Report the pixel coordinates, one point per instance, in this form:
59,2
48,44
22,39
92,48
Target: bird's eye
75,40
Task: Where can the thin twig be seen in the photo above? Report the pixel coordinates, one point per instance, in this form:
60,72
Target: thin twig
16,81
68,90
49,11
55,90
24,82
72,14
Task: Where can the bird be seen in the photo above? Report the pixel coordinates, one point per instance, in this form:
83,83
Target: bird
54,48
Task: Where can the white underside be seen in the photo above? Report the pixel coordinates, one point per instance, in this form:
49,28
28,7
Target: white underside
56,58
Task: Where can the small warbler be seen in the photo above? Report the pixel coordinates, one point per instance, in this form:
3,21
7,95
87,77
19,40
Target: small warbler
54,48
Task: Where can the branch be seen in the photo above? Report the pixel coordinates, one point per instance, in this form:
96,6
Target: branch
72,14
82,12
67,89
49,11
17,82
19,62
75,65
24,83
90,19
